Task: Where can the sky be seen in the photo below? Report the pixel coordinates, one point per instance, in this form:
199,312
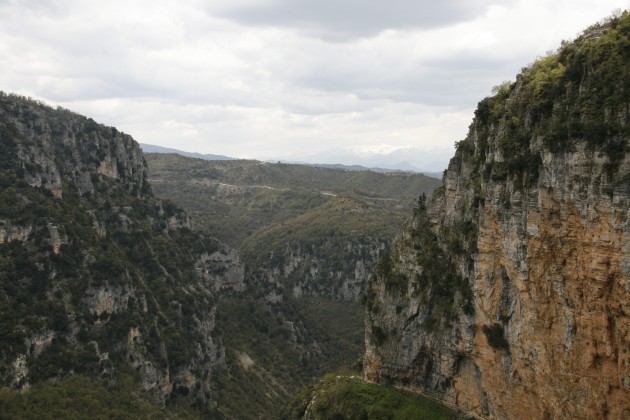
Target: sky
271,79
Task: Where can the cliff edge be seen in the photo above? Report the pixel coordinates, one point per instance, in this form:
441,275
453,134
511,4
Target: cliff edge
508,293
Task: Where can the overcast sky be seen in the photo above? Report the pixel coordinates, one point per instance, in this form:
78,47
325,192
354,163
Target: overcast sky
276,78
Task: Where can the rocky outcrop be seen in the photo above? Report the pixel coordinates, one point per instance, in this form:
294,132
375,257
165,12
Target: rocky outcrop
337,270
96,275
508,294
326,253
58,144
313,275
222,270
9,233
310,270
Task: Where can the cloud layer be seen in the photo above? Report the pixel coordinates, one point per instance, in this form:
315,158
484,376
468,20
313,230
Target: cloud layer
271,78
349,19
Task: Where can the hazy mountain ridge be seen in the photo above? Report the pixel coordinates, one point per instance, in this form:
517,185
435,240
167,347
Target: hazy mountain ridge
409,159
151,148
404,159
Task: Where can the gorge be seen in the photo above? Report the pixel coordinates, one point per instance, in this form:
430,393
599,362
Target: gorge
168,286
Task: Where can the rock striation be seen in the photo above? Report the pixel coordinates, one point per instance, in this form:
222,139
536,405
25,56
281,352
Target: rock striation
508,294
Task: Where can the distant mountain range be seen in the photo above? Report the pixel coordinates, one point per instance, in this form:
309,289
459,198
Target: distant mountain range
151,148
409,159
437,175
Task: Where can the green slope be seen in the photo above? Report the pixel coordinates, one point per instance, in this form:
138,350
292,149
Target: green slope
234,199
347,396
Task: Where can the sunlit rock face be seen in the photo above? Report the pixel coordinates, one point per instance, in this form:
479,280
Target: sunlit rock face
508,294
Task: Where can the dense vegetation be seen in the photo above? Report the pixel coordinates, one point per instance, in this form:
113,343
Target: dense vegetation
88,257
275,350
143,258
79,397
288,176
346,396
578,95
233,200
340,218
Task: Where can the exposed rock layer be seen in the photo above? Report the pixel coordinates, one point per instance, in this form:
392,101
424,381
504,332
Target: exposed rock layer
538,225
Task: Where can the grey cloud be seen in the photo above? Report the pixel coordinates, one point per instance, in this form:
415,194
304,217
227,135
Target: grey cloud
341,20
244,70
56,8
458,82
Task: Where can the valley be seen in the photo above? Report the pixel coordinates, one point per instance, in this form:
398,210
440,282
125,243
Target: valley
104,281
309,239
163,286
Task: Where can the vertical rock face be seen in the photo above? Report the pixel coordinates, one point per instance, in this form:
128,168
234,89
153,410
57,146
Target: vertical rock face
327,253
96,275
309,270
57,145
508,295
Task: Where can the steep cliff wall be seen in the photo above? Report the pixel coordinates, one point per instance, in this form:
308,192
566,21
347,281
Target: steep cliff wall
335,267
96,275
508,295
51,146
327,252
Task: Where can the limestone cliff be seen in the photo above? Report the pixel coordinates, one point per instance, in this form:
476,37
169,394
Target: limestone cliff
508,294
96,275
311,271
328,252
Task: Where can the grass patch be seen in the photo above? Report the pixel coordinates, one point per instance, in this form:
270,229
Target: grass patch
349,397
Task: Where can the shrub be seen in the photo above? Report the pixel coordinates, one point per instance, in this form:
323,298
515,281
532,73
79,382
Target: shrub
496,337
379,336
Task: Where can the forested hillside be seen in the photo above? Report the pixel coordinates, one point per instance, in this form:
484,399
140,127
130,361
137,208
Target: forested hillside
234,199
98,277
